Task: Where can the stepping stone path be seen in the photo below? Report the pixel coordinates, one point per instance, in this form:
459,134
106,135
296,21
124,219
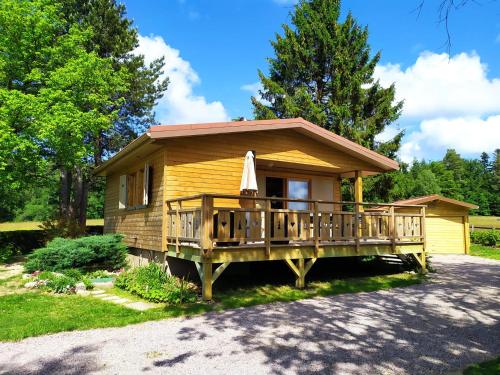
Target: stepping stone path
140,306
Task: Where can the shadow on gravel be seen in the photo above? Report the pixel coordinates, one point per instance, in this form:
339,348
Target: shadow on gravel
77,361
434,328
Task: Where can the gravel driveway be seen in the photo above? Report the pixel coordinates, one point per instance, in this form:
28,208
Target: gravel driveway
434,328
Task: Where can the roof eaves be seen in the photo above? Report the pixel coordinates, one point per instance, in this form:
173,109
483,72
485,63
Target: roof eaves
125,150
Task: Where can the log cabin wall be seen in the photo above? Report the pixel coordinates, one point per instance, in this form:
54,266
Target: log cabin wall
213,164
142,228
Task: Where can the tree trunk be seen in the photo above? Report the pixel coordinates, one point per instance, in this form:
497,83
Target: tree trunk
65,197
79,203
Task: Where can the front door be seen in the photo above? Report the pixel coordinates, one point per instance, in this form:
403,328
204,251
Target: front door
275,187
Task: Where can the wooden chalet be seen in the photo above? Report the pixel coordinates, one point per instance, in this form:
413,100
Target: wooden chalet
174,192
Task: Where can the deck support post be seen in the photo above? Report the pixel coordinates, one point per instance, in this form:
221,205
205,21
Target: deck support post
300,269
300,282
206,281
208,277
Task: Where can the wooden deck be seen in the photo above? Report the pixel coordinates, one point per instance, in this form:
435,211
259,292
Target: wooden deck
219,229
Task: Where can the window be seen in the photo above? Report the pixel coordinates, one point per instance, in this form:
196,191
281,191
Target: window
298,189
289,188
135,189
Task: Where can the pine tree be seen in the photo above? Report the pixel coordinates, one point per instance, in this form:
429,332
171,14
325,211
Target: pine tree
323,71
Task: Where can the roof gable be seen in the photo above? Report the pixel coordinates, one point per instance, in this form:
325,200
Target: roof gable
299,124
307,128
436,197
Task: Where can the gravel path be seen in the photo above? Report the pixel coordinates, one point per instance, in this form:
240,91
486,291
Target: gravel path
434,328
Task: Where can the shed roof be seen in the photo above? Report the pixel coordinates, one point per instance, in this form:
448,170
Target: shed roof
160,132
436,197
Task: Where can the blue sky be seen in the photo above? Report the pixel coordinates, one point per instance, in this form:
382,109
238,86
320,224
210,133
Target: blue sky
213,49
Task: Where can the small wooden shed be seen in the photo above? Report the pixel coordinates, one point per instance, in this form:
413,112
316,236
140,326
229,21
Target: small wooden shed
446,224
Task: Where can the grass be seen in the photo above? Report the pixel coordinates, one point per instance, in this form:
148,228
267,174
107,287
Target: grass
485,221
33,313
36,225
485,251
491,367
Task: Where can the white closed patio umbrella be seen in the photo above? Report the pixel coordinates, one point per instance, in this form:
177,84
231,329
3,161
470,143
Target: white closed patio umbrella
248,184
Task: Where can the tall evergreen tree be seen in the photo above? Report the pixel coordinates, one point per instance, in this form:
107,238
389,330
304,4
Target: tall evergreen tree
323,71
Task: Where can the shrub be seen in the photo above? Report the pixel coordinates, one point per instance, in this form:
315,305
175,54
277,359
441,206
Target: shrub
73,273
7,252
87,282
62,284
98,274
489,237
23,240
84,254
153,284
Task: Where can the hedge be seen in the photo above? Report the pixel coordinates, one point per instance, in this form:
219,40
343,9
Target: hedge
85,253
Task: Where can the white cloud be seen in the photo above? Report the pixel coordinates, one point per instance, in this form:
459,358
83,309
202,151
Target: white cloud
437,85
467,135
252,88
388,133
452,99
179,104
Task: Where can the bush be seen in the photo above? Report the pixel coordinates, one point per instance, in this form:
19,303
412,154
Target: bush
24,240
62,284
7,252
488,237
84,254
87,282
153,284
74,273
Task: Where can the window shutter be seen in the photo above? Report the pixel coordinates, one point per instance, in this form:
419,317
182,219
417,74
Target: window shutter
122,196
146,185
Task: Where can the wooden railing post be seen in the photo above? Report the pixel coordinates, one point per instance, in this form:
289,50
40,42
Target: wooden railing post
392,228
357,232
207,218
424,239
177,227
267,228
316,230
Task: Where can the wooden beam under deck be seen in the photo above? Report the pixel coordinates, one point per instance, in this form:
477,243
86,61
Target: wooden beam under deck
282,252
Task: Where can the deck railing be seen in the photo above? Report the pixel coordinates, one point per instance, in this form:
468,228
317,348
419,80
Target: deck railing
215,220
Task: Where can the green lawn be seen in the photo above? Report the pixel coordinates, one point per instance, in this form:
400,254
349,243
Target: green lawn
491,367
33,314
36,225
485,251
485,221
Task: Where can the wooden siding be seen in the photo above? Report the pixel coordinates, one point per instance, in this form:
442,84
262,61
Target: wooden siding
142,228
445,234
446,227
213,164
